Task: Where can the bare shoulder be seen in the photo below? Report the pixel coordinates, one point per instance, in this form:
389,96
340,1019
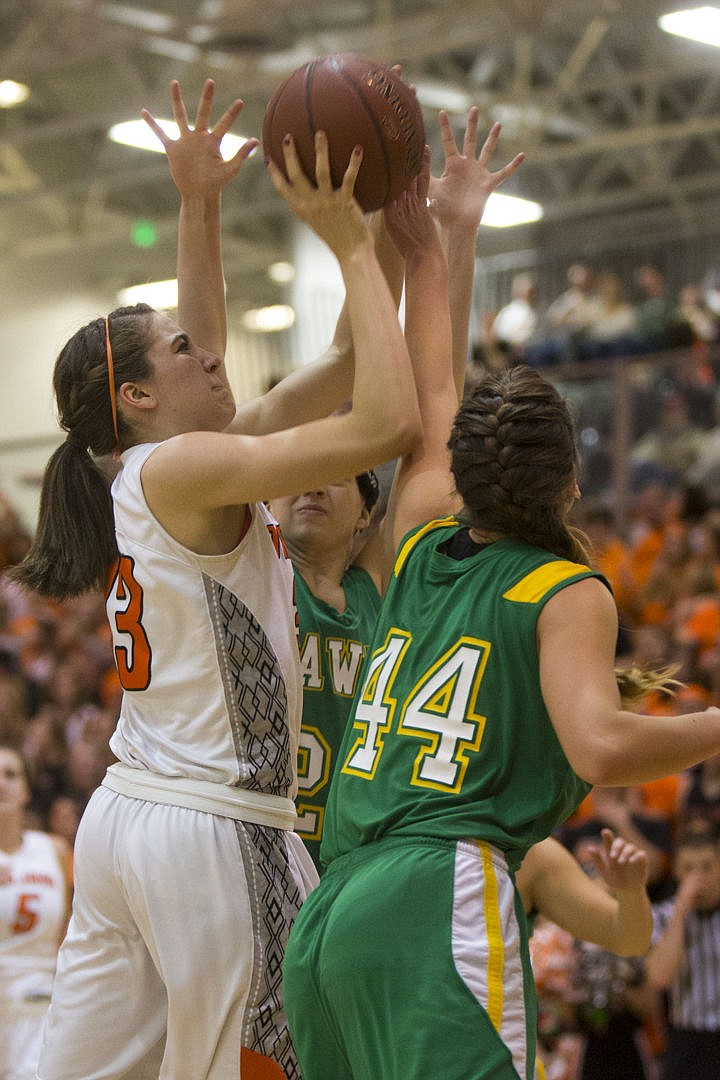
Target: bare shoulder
581,602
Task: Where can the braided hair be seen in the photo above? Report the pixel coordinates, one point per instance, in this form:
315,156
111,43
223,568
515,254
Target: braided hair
515,462
74,544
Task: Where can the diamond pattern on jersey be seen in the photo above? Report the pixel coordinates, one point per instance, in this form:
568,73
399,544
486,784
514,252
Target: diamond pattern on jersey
255,693
274,902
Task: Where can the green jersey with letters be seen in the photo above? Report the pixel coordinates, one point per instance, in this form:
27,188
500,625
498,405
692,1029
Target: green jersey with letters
333,645
449,736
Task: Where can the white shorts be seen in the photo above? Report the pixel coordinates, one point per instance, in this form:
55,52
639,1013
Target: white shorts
172,960
21,1025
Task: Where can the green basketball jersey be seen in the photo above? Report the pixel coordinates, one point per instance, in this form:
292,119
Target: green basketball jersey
333,645
449,736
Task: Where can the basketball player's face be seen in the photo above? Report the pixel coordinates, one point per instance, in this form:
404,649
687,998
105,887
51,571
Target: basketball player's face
188,382
325,518
14,792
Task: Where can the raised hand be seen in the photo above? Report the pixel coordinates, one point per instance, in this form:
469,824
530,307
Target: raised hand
333,213
196,164
460,194
622,865
408,219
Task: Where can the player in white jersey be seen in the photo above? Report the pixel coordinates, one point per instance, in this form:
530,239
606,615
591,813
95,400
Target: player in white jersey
188,873
34,908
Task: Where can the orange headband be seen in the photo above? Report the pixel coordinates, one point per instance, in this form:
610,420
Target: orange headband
111,380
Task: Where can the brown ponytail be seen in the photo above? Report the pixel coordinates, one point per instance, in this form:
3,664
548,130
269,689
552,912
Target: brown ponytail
74,545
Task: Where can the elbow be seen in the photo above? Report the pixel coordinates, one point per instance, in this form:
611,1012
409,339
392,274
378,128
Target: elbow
597,769
601,762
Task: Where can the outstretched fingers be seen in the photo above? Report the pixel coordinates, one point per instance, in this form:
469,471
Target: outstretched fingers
502,174
204,107
450,147
178,105
471,132
155,128
488,147
227,119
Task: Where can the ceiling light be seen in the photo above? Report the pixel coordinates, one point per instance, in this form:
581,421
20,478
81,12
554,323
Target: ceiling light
440,95
12,93
268,319
162,295
281,272
184,51
698,24
137,133
503,211
127,15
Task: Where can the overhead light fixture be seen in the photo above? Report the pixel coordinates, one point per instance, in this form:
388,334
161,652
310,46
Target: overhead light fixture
136,133
282,273
697,24
440,95
184,51
162,295
503,211
12,93
127,15
269,319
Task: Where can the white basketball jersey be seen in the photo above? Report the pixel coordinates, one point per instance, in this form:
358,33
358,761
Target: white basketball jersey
206,648
32,913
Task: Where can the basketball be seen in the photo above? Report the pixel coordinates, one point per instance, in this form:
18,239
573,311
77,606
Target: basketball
355,101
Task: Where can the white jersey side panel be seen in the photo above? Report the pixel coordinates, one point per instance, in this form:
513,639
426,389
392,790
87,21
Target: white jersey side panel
32,913
206,648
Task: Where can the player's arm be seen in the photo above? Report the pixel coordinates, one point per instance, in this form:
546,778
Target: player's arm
552,882
458,198
606,744
314,390
205,471
438,291
422,480
200,174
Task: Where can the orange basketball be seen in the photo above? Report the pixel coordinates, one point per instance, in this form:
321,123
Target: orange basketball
354,101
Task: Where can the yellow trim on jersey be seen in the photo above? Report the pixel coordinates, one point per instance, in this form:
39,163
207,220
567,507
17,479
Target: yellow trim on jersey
411,541
533,587
493,929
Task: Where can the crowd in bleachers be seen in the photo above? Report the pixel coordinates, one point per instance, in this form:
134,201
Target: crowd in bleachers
60,695
59,690
599,315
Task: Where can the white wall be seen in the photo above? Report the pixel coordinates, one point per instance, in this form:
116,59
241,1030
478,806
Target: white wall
35,323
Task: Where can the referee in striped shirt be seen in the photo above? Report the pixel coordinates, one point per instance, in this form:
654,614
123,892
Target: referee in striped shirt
684,959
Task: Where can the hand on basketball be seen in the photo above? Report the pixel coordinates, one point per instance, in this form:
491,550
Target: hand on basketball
196,164
459,195
333,213
622,865
408,219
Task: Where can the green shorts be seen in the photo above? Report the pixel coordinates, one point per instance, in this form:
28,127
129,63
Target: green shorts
410,962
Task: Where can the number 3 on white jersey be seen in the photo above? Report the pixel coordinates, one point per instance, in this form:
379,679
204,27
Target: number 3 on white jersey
440,710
